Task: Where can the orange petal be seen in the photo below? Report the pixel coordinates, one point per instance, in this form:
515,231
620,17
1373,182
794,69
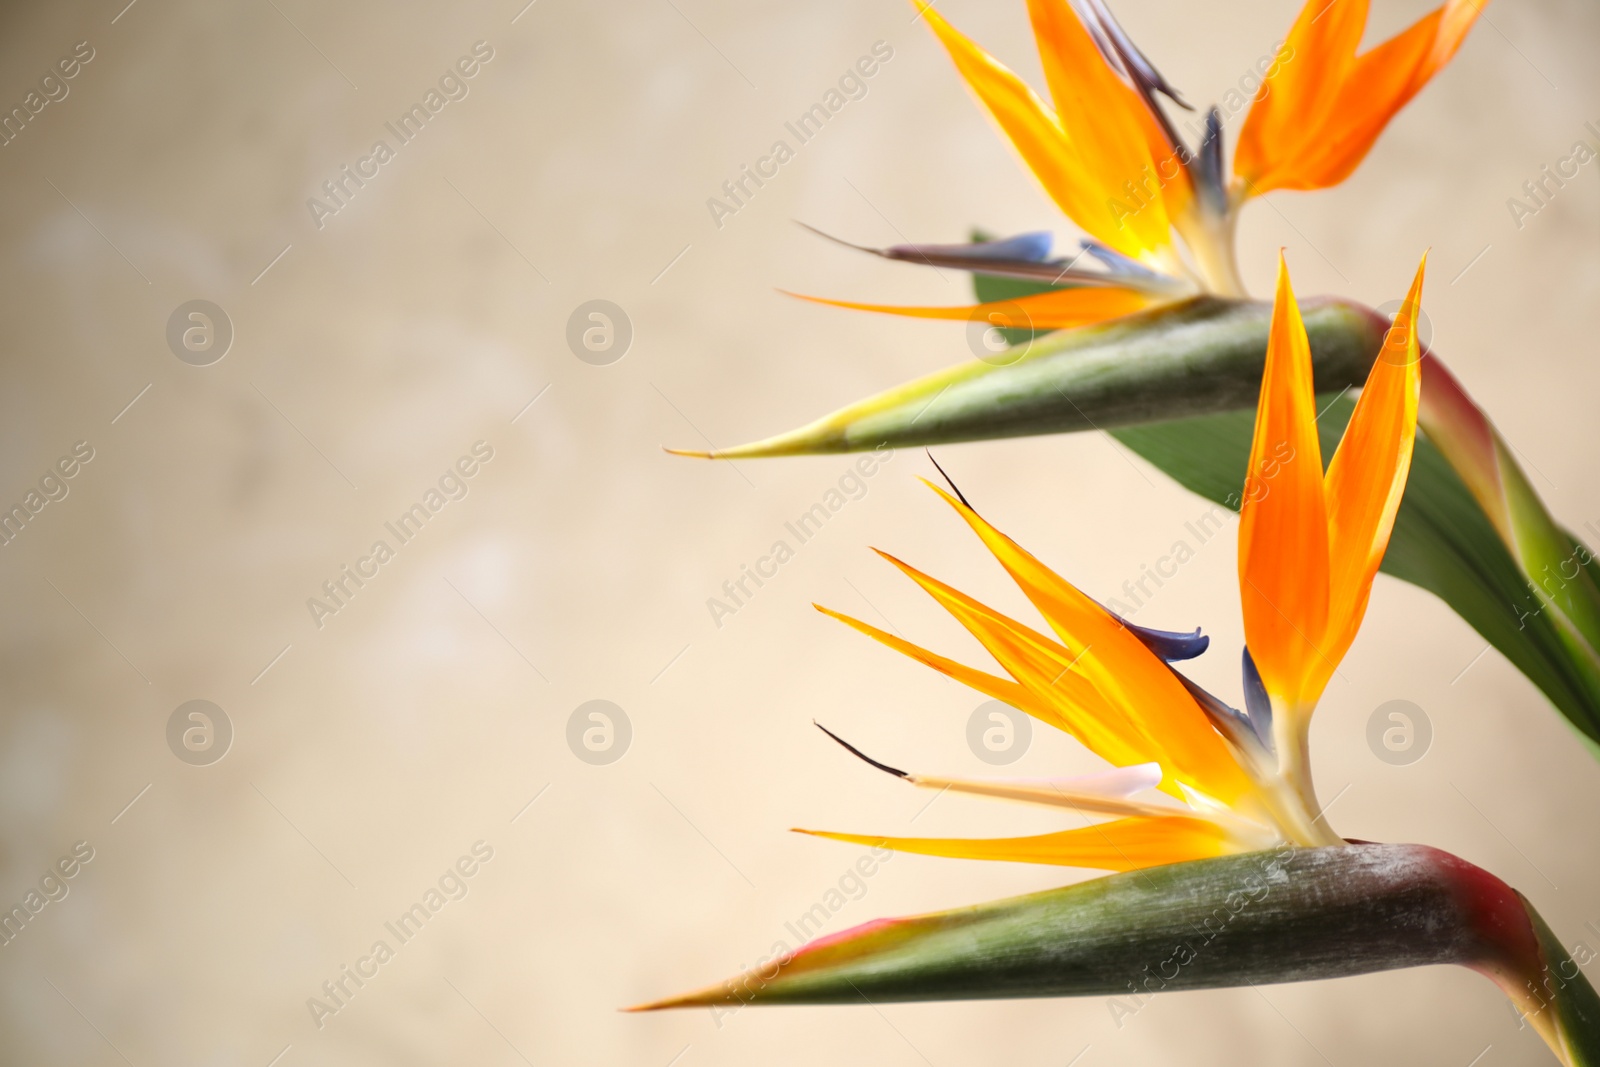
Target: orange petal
1323,107
1130,678
1299,89
1080,167
1122,845
1367,476
1047,670
1283,525
1001,689
1376,87
1056,309
1116,140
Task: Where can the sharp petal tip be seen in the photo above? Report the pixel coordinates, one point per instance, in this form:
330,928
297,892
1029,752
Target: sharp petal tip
690,452
856,752
948,480
836,240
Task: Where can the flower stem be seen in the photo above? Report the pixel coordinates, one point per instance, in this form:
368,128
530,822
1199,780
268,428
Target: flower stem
1292,794
1209,233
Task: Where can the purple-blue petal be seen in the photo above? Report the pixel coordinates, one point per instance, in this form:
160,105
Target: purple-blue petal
1122,54
1258,706
1229,721
1170,645
1115,261
1025,247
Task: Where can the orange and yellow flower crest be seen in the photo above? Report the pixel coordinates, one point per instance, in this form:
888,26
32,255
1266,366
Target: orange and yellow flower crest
1310,543
1320,112
1110,686
1100,135
1159,213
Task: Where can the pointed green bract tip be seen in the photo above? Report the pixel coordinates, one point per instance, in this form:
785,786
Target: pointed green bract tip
1197,357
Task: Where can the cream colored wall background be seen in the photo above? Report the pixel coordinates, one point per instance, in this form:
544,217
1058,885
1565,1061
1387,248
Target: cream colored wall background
425,715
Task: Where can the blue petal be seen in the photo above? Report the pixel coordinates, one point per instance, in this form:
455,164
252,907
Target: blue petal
1229,721
1028,247
1206,168
1121,53
1025,257
1170,645
1256,702
1115,261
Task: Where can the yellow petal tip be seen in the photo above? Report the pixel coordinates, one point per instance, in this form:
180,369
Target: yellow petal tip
698,999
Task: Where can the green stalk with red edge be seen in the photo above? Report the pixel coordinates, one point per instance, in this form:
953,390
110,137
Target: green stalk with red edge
1285,915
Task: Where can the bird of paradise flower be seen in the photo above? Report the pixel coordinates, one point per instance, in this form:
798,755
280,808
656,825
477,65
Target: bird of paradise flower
1236,781
1112,160
1157,274
1197,789
1309,547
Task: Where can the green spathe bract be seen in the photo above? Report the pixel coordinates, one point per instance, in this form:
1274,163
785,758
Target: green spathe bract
1201,356
1285,915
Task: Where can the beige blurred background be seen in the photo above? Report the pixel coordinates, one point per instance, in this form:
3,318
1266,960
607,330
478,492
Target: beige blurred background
372,752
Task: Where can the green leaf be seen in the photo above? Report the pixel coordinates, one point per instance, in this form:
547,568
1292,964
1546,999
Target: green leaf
1563,1000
